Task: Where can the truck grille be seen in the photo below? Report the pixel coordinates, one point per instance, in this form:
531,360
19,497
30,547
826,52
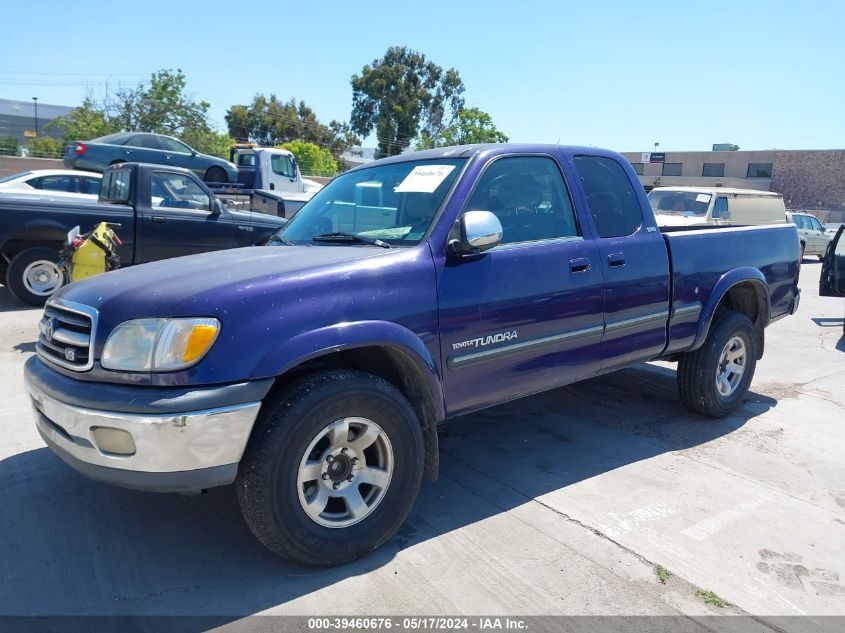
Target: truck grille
66,335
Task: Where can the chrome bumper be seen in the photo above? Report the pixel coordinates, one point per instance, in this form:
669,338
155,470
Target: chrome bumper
163,443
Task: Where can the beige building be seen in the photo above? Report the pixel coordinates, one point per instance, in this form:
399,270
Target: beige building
808,179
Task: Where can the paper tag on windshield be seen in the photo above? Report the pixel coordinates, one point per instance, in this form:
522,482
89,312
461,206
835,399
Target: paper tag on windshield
424,179
703,197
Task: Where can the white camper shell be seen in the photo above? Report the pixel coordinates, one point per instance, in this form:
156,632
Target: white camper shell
687,206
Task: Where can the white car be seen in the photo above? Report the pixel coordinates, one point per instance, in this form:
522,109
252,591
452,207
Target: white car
54,182
813,238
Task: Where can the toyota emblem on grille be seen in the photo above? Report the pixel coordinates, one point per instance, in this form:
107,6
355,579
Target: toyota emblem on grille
70,355
48,328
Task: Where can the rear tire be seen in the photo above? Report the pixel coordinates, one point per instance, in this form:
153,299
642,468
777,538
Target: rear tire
33,275
216,174
302,483
714,379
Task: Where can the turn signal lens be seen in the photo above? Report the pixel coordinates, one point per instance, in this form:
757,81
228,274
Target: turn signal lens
200,339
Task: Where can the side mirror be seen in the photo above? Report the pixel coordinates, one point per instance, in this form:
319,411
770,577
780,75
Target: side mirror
479,231
216,206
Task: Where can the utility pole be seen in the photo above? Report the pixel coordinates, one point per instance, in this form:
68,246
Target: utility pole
35,99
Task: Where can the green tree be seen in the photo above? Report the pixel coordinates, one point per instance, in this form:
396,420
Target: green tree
45,147
88,121
161,107
270,122
209,142
471,125
8,146
401,94
313,160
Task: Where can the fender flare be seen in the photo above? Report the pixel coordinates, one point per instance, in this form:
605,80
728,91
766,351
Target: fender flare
345,336
39,230
727,281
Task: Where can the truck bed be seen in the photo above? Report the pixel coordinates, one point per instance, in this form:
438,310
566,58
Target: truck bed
700,255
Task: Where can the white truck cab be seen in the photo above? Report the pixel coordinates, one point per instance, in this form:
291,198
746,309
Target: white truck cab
270,181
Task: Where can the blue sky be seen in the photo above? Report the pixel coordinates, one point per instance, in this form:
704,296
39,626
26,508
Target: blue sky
612,74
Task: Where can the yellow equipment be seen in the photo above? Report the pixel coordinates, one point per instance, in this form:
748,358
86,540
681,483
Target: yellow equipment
91,254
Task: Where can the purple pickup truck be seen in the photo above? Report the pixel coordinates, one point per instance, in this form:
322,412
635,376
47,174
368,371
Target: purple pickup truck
313,373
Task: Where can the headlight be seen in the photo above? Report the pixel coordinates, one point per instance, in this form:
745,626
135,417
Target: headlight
159,344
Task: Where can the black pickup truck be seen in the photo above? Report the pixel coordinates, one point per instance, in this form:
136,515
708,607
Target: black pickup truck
162,211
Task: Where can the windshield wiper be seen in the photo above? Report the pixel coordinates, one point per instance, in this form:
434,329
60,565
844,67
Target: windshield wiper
340,236
281,239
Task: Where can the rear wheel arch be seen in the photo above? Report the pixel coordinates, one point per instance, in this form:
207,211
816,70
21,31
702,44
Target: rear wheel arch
50,239
748,296
393,365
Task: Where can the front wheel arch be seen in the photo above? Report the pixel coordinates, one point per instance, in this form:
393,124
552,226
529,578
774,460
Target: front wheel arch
398,368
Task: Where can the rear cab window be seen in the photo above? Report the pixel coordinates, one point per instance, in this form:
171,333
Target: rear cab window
611,199
116,186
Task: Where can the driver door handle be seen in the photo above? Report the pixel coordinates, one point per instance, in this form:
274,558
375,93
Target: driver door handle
616,260
159,219
579,265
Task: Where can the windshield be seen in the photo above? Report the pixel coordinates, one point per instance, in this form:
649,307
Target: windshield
394,203
679,202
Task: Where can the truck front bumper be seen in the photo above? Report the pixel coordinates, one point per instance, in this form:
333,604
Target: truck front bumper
151,444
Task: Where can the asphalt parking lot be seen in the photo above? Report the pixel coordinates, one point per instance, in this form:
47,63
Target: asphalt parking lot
562,503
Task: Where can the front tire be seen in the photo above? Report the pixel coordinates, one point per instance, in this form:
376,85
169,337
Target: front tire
714,379
34,274
332,467
216,174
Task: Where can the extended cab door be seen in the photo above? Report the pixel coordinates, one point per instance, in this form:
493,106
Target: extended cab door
526,315
181,219
633,259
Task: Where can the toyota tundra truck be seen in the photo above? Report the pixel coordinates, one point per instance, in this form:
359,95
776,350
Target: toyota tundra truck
313,372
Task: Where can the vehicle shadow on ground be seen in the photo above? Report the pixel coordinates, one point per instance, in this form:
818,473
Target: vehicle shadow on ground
73,546
9,304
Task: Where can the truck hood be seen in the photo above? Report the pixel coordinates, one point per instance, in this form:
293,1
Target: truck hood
174,287
674,219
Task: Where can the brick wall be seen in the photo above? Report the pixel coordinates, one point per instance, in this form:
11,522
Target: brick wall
810,180
14,164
